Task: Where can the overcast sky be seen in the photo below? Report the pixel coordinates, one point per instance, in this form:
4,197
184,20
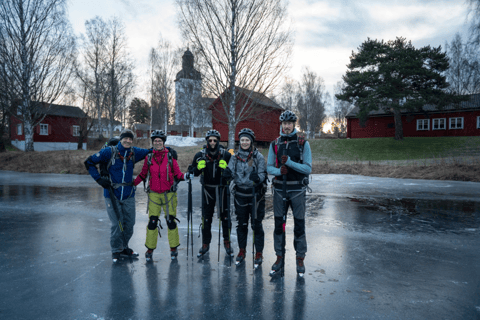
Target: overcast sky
326,32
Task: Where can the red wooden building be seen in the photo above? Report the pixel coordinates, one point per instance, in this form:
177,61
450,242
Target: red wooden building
59,130
263,116
454,120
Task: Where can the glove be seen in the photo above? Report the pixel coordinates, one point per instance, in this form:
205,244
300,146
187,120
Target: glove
104,182
283,170
284,159
201,164
227,174
190,170
186,176
254,177
222,164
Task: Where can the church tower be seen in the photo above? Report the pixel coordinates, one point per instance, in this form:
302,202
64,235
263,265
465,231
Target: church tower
188,92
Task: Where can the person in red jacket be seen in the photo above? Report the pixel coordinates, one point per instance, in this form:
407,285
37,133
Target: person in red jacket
160,171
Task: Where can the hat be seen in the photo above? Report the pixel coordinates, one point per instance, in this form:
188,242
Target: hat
126,134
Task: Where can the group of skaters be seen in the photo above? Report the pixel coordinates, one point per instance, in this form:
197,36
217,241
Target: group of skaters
242,174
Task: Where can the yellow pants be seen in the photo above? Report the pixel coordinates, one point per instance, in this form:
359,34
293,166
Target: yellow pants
167,202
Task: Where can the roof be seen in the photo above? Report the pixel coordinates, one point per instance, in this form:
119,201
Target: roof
259,98
142,126
63,111
472,104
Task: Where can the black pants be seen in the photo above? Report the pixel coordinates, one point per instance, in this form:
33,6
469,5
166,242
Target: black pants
209,201
243,210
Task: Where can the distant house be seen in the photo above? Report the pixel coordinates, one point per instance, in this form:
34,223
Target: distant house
104,128
142,130
263,118
461,119
59,130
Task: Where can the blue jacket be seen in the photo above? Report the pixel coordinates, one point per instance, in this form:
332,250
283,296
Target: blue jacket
120,172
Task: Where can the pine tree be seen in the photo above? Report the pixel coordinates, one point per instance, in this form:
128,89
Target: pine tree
396,77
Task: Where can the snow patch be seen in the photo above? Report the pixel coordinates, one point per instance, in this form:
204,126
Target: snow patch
178,141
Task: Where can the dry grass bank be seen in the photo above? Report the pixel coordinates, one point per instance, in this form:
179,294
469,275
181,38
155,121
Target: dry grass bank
72,162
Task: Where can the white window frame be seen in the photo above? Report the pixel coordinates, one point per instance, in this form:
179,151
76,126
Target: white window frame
438,120
478,122
451,121
44,129
19,129
76,131
421,124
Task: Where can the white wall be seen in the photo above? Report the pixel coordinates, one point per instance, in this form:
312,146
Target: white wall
49,146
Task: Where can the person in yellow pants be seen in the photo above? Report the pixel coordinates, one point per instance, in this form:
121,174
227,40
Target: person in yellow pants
161,172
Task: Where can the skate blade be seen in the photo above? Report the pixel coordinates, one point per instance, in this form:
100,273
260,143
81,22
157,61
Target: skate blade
272,273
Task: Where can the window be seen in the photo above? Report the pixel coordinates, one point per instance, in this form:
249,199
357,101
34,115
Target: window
76,131
478,122
439,124
19,129
43,129
423,124
456,123
19,111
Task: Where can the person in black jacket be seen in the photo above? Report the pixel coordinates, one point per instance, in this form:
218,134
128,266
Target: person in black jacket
210,163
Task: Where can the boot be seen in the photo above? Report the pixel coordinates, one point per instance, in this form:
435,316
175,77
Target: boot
228,248
258,259
277,266
115,256
173,253
149,255
204,249
127,252
300,266
240,257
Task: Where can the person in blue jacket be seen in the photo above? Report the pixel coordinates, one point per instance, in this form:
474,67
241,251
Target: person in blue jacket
120,160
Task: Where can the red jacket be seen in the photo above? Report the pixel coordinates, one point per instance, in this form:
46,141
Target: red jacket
158,172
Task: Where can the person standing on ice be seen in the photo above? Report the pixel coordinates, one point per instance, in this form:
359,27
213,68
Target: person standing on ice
248,170
120,161
210,163
161,173
289,156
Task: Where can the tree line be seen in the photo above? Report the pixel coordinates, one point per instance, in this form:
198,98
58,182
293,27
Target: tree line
241,47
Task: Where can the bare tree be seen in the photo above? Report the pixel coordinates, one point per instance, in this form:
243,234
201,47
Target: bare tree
38,52
163,62
311,102
120,73
340,108
463,72
243,45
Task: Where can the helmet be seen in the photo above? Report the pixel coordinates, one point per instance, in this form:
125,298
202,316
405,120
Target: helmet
158,134
288,116
247,131
213,133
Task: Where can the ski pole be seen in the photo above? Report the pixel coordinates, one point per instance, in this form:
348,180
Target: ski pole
229,220
254,216
117,214
190,211
285,209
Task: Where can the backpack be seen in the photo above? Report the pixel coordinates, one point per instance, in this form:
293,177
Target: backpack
301,142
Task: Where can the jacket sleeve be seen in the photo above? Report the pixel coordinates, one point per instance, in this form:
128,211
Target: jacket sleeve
306,166
140,153
271,162
261,169
143,174
103,155
176,170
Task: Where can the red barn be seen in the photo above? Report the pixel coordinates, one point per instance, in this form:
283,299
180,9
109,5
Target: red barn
59,130
454,120
263,116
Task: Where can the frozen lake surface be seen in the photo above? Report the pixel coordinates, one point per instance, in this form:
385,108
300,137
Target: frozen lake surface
378,248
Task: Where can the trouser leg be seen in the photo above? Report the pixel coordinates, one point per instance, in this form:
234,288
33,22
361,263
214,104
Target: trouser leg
128,213
154,210
170,215
242,213
278,209
258,224
299,236
226,223
116,241
208,210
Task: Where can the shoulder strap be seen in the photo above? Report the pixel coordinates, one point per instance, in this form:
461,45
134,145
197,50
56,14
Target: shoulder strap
114,150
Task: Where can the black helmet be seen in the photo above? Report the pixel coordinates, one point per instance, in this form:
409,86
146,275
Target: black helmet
112,142
213,133
158,134
288,116
247,131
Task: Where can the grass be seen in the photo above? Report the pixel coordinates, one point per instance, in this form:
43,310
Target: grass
387,149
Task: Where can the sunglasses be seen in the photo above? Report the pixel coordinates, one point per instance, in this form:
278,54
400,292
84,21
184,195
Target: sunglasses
212,140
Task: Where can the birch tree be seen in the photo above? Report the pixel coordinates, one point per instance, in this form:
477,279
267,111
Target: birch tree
243,45
38,54
311,102
340,108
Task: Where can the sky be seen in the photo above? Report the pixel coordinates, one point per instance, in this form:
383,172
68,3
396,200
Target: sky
326,32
